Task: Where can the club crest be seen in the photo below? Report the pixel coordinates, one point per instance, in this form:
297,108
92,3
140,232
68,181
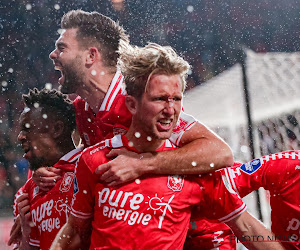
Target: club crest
175,182
66,182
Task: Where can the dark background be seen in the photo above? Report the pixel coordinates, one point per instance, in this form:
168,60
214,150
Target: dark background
207,33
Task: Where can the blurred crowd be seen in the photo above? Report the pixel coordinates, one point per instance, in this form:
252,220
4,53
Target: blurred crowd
208,33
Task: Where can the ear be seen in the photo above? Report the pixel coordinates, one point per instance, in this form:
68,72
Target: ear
131,103
57,129
92,56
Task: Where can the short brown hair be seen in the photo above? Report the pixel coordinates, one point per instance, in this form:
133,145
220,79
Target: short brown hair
95,29
139,64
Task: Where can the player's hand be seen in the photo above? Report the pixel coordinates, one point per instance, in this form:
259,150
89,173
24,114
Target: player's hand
46,177
24,212
15,235
125,167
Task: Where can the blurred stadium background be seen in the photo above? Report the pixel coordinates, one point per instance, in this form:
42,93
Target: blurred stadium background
211,35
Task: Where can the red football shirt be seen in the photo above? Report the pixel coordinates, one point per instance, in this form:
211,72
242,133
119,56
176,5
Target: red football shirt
280,174
152,212
50,210
114,118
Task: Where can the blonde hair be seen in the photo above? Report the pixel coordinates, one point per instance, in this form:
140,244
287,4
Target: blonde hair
138,64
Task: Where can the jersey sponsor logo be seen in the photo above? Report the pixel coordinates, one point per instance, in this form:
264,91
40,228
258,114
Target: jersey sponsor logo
62,206
118,131
175,183
66,182
86,138
181,124
120,205
76,188
251,167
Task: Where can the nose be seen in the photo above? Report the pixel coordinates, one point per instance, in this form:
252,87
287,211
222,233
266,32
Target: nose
170,107
53,55
21,136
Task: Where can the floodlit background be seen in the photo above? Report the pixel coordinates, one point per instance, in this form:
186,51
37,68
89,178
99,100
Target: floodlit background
207,33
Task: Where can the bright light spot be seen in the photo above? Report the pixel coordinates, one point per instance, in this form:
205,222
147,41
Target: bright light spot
59,31
4,84
0,64
244,149
17,178
0,121
28,6
94,72
27,125
137,181
189,72
35,147
15,166
36,105
89,120
190,8
130,144
194,164
212,165
7,184
84,191
137,134
102,73
10,70
48,85
45,116
56,6
149,138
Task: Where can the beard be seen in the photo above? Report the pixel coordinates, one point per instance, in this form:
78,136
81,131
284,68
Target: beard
36,163
73,77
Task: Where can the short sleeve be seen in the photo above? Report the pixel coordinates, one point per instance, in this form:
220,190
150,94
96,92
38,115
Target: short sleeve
184,123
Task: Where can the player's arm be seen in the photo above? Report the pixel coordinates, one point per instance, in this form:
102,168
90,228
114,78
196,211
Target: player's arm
252,233
75,234
201,151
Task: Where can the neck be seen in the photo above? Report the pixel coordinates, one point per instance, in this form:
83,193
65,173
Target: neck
61,149
141,140
96,87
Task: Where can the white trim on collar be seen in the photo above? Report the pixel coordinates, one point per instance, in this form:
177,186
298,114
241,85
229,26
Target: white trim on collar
73,155
113,90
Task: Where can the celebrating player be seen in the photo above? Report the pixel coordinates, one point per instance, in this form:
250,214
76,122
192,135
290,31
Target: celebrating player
46,127
279,174
86,54
154,211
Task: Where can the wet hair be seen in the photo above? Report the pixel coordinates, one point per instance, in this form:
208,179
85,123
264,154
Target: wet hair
138,64
52,102
95,29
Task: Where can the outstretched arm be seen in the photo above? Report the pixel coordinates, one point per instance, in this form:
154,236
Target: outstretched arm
252,233
201,151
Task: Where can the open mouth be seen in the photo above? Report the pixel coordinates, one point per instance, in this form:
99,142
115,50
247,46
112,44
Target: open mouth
165,124
60,68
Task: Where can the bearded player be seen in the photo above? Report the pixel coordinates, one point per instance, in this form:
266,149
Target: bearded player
86,53
152,212
46,126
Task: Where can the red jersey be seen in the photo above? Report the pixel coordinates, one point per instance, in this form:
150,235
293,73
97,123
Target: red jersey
50,210
208,234
152,212
114,118
280,174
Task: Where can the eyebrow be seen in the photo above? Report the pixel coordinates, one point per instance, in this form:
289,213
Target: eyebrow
58,44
